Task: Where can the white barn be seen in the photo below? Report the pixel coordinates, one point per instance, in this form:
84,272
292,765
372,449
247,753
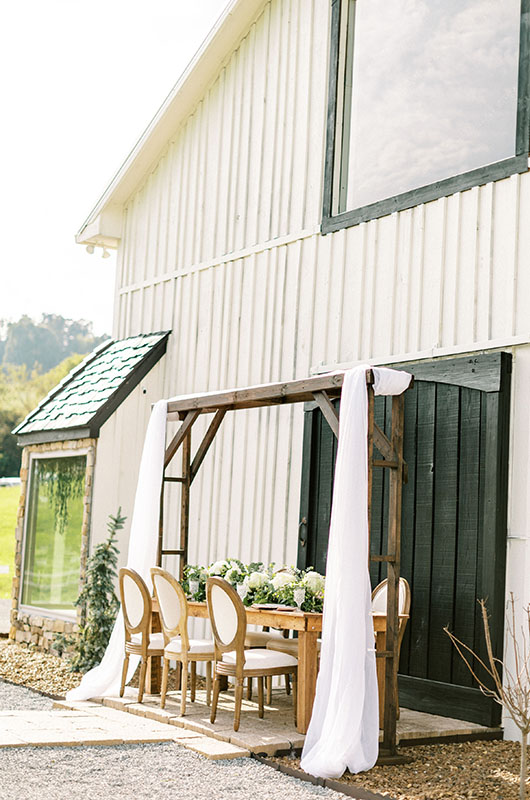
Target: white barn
281,223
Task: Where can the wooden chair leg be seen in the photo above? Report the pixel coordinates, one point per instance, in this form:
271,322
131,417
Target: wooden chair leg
208,683
295,697
183,688
179,675
193,680
163,690
249,688
239,698
287,683
124,673
215,698
141,684
260,696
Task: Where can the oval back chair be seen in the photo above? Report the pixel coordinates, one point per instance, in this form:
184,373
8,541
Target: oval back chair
229,625
379,601
136,608
173,612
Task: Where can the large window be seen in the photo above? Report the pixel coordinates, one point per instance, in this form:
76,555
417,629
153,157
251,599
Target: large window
54,521
427,97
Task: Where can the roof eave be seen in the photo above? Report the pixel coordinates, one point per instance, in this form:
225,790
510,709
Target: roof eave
47,437
202,69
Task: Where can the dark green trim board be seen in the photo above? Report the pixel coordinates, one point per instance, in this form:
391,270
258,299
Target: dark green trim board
332,107
454,521
334,160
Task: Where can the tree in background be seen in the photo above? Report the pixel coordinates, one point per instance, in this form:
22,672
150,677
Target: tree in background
34,358
20,392
43,345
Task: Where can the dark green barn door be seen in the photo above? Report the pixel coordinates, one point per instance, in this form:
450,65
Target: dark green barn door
453,521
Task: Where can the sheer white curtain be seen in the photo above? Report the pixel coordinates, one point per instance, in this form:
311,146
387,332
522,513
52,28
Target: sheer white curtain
105,678
344,728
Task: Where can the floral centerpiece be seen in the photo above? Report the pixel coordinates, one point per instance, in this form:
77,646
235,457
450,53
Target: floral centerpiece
257,583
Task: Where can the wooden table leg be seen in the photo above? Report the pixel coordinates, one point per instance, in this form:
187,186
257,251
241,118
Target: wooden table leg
154,671
307,677
381,666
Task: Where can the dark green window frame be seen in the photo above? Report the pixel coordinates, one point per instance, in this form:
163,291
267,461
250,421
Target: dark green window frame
467,180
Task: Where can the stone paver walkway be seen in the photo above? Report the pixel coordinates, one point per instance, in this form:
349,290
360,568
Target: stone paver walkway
93,724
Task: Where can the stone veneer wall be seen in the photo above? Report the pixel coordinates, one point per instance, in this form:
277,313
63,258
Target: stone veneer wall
35,628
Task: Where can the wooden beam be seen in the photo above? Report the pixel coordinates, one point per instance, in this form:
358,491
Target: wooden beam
206,442
382,443
328,410
179,437
268,394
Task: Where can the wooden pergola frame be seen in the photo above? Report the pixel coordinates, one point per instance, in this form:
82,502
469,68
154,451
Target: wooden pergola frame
322,389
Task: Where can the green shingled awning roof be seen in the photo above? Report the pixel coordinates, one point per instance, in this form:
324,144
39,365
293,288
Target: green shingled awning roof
92,391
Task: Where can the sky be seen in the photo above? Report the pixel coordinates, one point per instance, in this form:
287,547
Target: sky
80,83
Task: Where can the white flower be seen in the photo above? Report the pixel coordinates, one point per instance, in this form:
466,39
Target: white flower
232,574
315,582
282,579
218,567
257,579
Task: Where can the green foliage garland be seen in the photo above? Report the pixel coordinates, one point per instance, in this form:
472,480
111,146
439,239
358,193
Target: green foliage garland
261,584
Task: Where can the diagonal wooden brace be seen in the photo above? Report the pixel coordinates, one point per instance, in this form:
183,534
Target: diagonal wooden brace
383,444
180,435
328,410
206,442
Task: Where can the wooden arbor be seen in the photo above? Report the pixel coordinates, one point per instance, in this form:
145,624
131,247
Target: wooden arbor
322,389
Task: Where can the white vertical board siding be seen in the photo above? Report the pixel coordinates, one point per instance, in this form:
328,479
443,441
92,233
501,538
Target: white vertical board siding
221,245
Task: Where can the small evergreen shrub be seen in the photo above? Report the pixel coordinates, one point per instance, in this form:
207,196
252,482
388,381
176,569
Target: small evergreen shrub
98,602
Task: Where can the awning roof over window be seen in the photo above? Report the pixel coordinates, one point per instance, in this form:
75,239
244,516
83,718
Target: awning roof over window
78,406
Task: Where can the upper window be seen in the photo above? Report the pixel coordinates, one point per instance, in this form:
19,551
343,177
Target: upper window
54,519
425,99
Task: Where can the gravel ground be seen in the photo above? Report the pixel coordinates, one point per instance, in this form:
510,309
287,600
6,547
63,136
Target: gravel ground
41,671
17,698
479,770
143,772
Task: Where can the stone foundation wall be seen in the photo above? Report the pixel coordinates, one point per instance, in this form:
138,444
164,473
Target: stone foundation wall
26,626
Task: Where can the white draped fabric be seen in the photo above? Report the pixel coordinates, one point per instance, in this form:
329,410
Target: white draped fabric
344,728
105,678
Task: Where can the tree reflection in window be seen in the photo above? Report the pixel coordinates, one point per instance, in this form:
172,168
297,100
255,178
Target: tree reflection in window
53,533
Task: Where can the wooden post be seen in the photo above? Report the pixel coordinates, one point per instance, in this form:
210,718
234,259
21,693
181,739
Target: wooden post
160,525
370,391
393,574
185,503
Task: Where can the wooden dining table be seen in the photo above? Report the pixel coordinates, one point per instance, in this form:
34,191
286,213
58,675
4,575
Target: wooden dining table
308,625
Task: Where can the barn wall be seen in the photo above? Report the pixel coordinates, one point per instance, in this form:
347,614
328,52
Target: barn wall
221,243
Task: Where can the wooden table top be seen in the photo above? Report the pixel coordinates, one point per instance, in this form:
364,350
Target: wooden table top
285,620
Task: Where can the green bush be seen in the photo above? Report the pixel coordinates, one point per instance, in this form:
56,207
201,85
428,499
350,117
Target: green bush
98,603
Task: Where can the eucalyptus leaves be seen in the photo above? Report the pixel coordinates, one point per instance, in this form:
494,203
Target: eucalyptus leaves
256,583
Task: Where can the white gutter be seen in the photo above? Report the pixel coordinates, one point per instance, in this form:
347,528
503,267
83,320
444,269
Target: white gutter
103,225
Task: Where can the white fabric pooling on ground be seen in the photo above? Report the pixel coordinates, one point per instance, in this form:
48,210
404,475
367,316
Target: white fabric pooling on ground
344,728
105,679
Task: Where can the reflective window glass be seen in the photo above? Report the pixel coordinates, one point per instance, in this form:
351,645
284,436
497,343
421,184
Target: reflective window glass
54,521
430,92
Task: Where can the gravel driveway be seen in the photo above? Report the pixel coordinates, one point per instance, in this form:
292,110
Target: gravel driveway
136,771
